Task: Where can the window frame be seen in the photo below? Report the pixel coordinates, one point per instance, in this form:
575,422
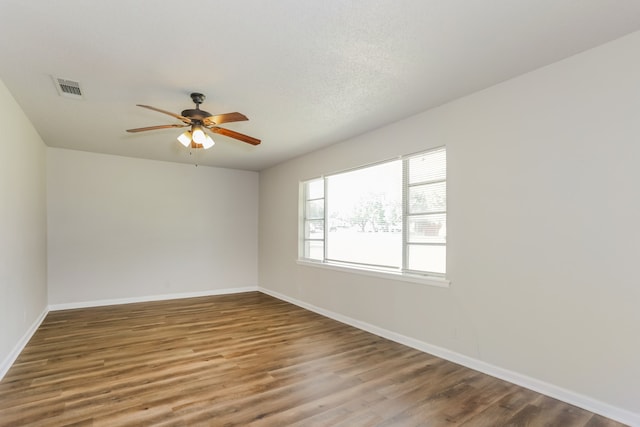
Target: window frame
407,214
403,273
306,219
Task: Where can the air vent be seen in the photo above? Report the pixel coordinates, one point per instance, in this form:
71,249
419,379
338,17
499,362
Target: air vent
68,88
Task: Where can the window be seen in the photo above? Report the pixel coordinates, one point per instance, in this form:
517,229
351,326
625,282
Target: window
391,216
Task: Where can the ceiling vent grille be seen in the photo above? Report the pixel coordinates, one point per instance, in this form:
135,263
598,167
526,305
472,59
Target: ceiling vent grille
68,88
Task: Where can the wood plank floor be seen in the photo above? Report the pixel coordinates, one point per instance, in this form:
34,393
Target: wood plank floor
249,359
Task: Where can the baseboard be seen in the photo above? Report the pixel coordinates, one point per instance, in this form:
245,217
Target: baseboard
568,396
148,298
20,345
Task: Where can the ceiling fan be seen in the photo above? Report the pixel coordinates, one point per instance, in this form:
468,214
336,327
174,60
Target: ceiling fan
199,120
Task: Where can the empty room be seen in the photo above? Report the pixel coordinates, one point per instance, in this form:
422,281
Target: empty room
337,213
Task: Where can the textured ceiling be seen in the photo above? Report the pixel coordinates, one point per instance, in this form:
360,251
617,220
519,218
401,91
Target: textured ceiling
306,73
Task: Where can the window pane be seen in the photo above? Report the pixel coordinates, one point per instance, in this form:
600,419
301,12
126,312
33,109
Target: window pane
314,229
427,258
380,249
431,166
427,228
314,209
314,249
367,204
428,198
315,189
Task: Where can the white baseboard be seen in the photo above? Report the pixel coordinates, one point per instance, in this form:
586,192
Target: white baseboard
17,349
551,390
117,301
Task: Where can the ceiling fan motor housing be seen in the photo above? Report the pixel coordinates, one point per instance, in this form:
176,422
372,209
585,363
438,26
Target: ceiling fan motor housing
196,115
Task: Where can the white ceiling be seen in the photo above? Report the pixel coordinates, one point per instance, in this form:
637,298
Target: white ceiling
307,73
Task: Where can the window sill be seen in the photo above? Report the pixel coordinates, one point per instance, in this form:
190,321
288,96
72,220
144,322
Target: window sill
440,282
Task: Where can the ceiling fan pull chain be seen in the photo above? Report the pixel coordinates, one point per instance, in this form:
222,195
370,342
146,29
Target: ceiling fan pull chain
191,154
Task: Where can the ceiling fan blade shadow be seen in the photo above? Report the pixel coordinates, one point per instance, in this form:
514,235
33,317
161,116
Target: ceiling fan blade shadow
177,116
219,119
156,127
236,135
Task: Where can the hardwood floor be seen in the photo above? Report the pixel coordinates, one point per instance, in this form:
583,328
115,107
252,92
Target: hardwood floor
249,359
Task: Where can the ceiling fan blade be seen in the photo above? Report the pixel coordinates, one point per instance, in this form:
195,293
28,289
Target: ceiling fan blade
177,116
237,135
156,127
225,118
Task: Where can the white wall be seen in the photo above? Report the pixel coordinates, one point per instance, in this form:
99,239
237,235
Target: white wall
544,229
23,262
124,228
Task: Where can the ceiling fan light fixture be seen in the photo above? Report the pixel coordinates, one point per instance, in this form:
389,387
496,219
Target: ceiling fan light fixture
185,138
188,139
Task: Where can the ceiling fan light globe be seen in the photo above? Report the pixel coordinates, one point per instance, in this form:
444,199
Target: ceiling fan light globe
198,135
208,142
185,138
